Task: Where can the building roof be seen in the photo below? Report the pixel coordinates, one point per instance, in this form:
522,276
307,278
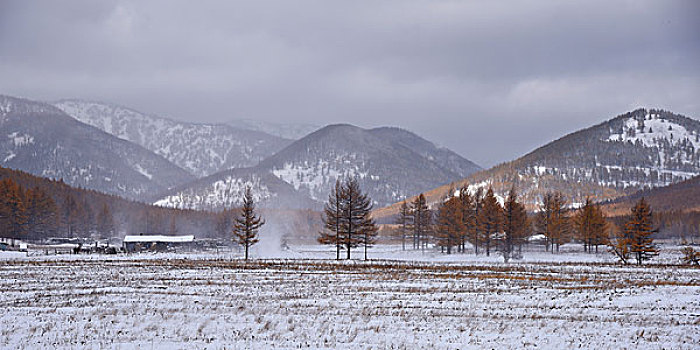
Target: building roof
158,238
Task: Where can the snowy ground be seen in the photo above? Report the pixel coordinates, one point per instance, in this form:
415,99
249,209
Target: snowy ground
212,301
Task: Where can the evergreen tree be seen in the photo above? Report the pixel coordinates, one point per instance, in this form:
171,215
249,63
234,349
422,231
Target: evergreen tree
368,232
468,217
422,222
560,226
333,219
543,218
639,230
449,224
490,219
515,225
405,222
552,220
591,227
245,228
475,230
359,226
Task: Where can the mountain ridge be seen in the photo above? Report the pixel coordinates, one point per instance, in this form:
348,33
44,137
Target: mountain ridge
387,170
200,148
44,141
638,149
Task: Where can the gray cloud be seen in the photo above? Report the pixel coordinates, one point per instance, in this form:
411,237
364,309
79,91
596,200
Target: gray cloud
489,79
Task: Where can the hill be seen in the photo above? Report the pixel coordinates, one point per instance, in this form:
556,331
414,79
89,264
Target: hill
201,149
44,141
636,150
390,164
679,197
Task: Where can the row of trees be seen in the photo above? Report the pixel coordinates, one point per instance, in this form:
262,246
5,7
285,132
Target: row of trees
347,221
35,208
488,223
478,219
33,213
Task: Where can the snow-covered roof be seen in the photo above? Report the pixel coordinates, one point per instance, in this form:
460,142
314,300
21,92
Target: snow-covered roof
537,237
158,238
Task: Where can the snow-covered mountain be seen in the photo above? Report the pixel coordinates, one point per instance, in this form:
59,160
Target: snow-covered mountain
40,139
644,148
226,190
293,131
201,149
390,164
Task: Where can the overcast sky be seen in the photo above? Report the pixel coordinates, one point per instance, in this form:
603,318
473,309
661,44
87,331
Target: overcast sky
491,80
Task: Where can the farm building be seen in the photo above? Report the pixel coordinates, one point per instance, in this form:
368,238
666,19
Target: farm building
143,242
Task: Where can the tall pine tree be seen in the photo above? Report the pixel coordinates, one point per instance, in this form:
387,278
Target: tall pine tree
347,219
639,231
590,226
468,217
245,228
360,227
515,225
475,229
405,222
490,219
552,220
333,219
422,222
449,224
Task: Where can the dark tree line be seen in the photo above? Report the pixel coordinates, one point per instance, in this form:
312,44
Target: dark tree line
34,208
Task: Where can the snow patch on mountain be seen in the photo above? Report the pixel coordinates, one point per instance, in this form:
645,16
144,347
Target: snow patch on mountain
315,179
654,131
143,171
5,107
225,193
10,155
20,140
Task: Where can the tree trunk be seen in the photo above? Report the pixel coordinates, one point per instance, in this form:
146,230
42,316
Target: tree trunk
365,246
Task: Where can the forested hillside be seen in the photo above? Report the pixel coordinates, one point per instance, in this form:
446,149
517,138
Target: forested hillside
35,208
645,148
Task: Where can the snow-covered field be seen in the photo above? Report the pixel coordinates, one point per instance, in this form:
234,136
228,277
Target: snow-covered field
166,301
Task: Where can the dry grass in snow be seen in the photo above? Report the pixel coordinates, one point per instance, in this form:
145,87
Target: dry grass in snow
217,304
